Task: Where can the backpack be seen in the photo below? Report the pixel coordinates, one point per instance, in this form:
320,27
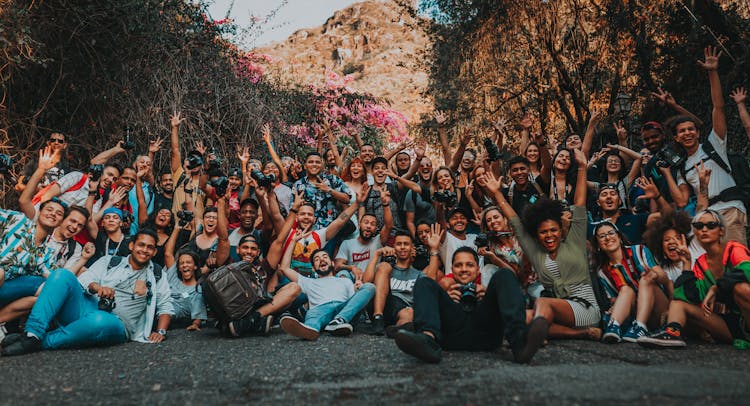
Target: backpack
738,168
69,251
38,196
233,291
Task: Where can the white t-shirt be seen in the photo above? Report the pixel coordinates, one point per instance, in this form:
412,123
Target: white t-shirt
720,179
450,245
357,254
325,290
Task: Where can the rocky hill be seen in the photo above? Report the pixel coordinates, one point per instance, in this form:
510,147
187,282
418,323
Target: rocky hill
382,44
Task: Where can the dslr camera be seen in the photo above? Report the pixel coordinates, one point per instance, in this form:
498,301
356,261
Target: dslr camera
446,197
185,216
482,240
6,162
263,180
468,295
493,152
107,304
220,185
96,171
390,260
667,157
194,161
127,142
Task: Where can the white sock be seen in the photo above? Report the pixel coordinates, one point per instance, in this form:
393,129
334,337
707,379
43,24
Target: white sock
643,326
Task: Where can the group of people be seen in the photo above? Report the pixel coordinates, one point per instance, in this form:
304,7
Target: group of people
458,252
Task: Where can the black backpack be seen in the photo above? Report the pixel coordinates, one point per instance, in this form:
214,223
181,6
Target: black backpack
738,168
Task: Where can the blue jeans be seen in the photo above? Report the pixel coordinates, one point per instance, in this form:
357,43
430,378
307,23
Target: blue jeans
320,315
81,323
16,288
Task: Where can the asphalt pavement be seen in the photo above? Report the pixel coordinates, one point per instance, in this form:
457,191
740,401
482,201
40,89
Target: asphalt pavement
203,368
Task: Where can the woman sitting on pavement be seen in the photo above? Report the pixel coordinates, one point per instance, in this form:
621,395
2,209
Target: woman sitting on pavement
668,240
502,249
715,296
631,279
568,308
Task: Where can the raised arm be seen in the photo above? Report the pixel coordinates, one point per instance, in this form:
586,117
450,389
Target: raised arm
141,197
668,100
739,95
420,150
104,156
711,65
286,261
588,139
495,186
526,124
222,248
433,243
400,147
441,119
459,154
385,231
580,196
48,158
341,220
332,138
174,138
404,182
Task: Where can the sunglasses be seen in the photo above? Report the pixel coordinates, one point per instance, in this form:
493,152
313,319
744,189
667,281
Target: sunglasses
711,225
57,140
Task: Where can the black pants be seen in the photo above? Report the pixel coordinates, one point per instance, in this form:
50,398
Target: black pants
502,311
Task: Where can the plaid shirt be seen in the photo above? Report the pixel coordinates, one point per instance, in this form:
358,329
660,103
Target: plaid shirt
19,255
325,205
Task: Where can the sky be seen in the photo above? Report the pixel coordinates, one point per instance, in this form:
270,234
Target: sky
291,15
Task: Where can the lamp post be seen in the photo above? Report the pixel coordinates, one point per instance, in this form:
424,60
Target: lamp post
623,105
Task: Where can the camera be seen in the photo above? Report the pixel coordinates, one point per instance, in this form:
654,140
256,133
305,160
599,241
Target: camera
468,294
493,152
185,217
668,158
482,240
421,250
220,185
107,304
194,160
6,162
127,142
390,260
261,179
446,197
96,171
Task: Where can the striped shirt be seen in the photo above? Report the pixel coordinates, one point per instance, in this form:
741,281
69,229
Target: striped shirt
582,299
636,259
19,254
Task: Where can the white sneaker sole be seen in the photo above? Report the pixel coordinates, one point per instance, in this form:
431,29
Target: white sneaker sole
656,343
293,327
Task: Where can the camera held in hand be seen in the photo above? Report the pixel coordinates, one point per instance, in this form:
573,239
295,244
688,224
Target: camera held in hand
213,158
468,294
96,171
263,180
446,197
668,158
390,260
220,185
185,216
493,152
107,304
482,240
127,142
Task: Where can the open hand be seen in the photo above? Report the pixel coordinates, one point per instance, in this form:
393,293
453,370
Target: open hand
711,58
739,95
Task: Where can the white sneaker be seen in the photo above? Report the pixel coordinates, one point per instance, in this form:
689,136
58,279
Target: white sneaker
3,332
339,327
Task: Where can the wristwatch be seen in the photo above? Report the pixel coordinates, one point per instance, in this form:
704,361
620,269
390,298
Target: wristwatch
162,332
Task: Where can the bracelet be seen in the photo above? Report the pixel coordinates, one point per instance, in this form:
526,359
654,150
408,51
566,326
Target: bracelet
658,197
385,205
434,254
293,211
93,192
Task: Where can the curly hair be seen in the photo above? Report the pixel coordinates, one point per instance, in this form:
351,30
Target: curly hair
540,211
678,221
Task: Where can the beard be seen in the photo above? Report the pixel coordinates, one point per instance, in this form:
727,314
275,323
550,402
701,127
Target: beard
326,270
366,237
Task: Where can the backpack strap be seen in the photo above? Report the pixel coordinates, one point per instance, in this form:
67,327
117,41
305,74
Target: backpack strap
114,261
157,271
71,249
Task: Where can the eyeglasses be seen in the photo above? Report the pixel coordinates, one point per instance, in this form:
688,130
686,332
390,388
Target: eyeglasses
53,140
604,236
711,225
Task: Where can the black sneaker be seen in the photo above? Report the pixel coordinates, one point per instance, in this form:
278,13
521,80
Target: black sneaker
419,345
667,338
23,345
375,328
10,339
524,350
391,331
339,327
251,324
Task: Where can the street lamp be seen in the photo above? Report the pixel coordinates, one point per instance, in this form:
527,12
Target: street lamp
623,105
